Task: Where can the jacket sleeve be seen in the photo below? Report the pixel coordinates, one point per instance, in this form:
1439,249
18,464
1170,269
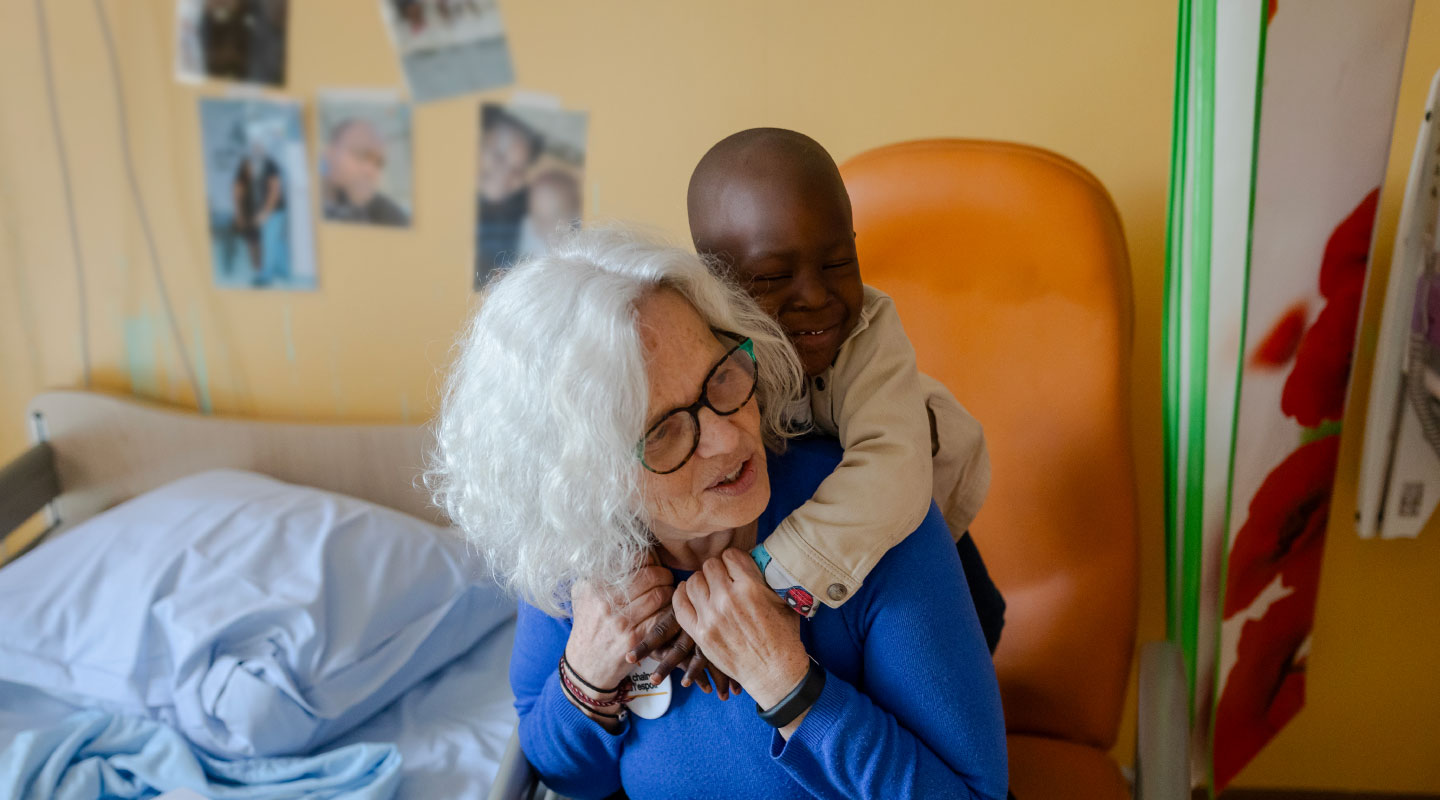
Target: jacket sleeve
929,723
883,485
572,752
961,462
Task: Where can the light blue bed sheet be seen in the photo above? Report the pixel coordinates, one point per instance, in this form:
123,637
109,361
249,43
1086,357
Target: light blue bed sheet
441,739
451,728
98,754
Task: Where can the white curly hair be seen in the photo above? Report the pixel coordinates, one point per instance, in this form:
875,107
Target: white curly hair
535,444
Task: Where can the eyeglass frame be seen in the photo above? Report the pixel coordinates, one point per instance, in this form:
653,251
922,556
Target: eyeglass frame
745,343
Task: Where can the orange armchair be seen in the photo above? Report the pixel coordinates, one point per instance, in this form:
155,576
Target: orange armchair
1009,269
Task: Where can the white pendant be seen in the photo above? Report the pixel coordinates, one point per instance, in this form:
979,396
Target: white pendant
648,700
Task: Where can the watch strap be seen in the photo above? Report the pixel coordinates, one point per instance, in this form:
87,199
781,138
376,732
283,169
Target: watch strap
800,698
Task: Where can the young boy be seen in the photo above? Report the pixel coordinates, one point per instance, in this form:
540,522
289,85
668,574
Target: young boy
769,205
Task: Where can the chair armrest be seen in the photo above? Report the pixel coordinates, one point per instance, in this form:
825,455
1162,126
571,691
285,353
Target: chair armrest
1162,742
515,780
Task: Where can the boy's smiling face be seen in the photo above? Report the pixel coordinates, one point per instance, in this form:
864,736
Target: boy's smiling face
785,230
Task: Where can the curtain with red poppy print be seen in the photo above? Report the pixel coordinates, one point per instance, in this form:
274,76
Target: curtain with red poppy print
1261,322
1272,574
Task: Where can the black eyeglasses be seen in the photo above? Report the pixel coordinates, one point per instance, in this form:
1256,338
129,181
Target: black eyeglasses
727,388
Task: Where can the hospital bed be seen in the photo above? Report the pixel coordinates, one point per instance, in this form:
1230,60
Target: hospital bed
93,452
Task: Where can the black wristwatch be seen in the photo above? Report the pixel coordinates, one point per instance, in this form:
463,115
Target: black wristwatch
799,699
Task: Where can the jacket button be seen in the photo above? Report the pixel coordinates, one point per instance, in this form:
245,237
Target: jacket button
836,591
820,384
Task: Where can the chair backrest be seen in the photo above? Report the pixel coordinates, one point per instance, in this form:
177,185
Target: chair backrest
1009,269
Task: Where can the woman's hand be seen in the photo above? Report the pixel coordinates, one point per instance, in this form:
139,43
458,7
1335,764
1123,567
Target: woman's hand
605,628
743,627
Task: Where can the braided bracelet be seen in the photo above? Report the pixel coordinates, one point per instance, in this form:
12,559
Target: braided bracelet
590,709
591,704
565,665
585,699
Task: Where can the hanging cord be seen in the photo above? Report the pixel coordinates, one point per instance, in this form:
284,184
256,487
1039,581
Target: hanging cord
80,299
124,116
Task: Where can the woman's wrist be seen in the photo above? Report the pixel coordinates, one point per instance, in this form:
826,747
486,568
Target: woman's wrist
780,680
787,714
606,707
601,678
589,695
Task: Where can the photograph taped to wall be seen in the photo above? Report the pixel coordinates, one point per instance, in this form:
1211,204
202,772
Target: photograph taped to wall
529,186
449,47
236,40
364,155
257,191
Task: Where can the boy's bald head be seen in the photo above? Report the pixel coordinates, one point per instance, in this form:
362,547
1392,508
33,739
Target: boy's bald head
773,162
771,206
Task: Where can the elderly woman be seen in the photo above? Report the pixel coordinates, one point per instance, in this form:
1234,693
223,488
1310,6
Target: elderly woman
612,440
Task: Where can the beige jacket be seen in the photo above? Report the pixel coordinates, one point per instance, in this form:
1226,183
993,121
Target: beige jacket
906,440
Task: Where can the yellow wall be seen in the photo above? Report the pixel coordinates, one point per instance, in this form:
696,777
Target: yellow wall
662,81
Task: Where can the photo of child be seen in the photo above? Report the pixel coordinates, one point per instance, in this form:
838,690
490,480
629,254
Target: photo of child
529,186
236,40
257,191
365,171
449,47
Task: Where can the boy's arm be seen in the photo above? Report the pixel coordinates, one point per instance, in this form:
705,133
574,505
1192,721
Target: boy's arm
882,487
961,462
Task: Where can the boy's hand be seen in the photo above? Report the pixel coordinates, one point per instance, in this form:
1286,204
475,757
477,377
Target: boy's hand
673,647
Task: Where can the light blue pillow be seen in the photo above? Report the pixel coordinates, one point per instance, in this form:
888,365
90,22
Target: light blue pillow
258,617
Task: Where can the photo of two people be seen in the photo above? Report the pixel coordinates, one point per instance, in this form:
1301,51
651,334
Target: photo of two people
529,186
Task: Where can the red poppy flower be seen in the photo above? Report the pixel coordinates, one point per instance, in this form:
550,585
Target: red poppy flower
1286,526
1266,687
1270,12
1315,389
1280,344
1348,250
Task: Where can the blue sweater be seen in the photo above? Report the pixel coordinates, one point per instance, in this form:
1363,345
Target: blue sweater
910,707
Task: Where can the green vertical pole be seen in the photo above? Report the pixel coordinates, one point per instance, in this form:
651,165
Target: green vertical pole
1203,62
1170,345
